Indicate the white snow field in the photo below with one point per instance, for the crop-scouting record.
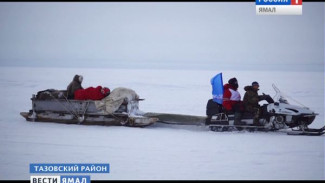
(160, 151)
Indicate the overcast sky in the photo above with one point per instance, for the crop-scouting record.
(159, 35)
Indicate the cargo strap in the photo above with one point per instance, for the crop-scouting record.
(72, 112)
(83, 114)
(75, 113)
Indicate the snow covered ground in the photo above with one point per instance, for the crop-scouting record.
(159, 151)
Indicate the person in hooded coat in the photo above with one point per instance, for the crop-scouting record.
(251, 99)
(91, 93)
(232, 100)
(74, 85)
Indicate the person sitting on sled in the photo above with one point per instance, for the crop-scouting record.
(232, 100)
(251, 99)
(74, 85)
(91, 93)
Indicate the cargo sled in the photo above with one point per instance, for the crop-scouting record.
(53, 106)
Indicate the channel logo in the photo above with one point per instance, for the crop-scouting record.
(278, 7)
(60, 179)
(65, 168)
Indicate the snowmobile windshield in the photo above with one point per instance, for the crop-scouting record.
(279, 96)
(283, 98)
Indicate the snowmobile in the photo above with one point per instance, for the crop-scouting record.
(53, 106)
(278, 114)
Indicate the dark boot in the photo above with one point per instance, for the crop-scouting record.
(237, 119)
(256, 118)
(256, 121)
(208, 120)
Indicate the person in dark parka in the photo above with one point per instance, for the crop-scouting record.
(251, 99)
(74, 85)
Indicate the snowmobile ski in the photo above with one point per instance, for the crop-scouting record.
(307, 133)
(315, 129)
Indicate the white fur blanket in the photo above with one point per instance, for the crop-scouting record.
(114, 100)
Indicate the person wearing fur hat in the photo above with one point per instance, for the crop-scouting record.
(74, 85)
(232, 100)
(251, 99)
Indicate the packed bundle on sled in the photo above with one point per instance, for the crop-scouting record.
(121, 107)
